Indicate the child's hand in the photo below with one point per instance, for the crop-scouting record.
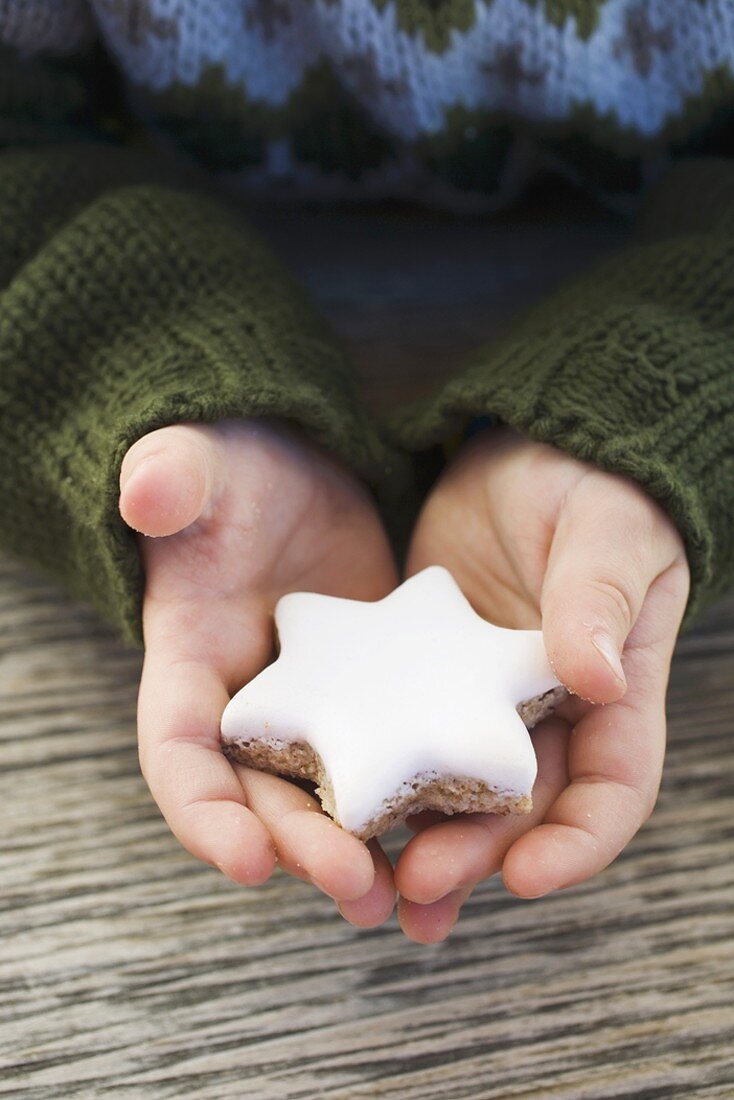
(529, 532)
(243, 513)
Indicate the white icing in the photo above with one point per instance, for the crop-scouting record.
(413, 684)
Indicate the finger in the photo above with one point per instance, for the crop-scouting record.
(186, 681)
(308, 844)
(167, 479)
(180, 705)
(615, 762)
(420, 821)
(462, 851)
(611, 542)
(378, 903)
(431, 923)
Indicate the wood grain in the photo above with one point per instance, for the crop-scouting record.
(127, 968)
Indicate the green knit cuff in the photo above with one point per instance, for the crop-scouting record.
(137, 308)
(631, 369)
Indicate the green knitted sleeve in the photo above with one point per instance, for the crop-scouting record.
(630, 367)
(129, 301)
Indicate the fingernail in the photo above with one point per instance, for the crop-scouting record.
(350, 895)
(604, 645)
(461, 886)
(459, 897)
(320, 886)
(126, 479)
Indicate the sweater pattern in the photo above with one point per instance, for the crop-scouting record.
(458, 101)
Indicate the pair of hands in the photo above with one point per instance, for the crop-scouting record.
(235, 515)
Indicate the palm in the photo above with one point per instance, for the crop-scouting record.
(283, 517)
(275, 515)
(490, 521)
(535, 538)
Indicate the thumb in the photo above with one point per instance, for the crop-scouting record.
(167, 478)
(611, 542)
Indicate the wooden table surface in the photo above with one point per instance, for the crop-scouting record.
(128, 969)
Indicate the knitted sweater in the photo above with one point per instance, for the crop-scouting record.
(134, 295)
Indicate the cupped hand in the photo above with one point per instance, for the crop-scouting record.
(536, 539)
(231, 517)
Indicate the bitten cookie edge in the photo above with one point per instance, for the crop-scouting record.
(449, 794)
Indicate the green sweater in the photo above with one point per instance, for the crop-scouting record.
(134, 296)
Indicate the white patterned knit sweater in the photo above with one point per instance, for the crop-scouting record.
(448, 96)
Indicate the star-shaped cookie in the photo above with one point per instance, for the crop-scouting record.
(409, 703)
